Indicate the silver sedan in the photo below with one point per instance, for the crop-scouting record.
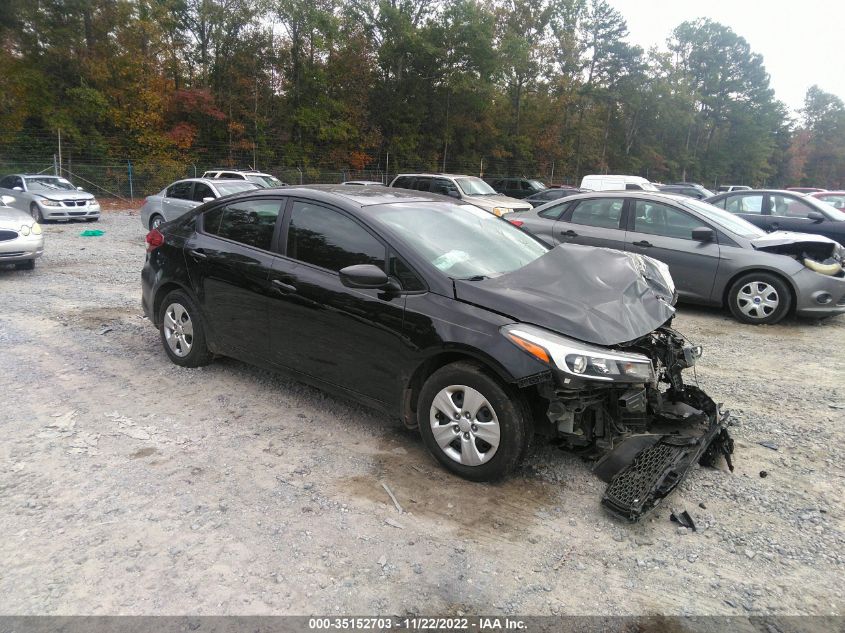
(47, 197)
(714, 257)
(183, 195)
(21, 239)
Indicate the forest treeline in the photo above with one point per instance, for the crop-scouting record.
(518, 87)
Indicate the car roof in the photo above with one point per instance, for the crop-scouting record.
(747, 191)
(209, 181)
(430, 175)
(627, 193)
(357, 196)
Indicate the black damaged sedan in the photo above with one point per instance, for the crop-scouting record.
(448, 317)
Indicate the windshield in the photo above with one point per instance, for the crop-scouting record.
(265, 181)
(725, 219)
(537, 184)
(472, 186)
(228, 188)
(48, 183)
(462, 241)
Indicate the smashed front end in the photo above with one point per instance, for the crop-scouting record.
(629, 408)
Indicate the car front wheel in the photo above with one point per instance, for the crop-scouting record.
(759, 298)
(156, 221)
(35, 212)
(182, 331)
(471, 424)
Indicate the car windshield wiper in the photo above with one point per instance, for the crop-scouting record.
(475, 278)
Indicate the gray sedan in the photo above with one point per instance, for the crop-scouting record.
(47, 197)
(183, 195)
(715, 257)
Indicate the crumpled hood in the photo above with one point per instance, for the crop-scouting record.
(488, 202)
(13, 218)
(772, 241)
(596, 295)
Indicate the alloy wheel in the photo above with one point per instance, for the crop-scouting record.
(178, 330)
(465, 425)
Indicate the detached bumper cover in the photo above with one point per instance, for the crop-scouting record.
(644, 469)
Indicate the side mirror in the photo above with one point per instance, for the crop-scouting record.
(703, 234)
(207, 199)
(364, 276)
(17, 188)
(815, 216)
(79, 189)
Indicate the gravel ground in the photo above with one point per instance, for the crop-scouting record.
(131, 486)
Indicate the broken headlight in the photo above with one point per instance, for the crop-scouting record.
(579, 359)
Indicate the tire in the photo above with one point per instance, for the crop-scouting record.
(759, 298)
(35, 212)
(182, 332)
(156, 220)
(490, 443)
(28, 264)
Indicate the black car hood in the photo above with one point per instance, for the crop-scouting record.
(595, 295)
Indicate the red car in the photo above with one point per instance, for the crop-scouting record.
(833, 198)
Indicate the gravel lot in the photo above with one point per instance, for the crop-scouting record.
(131, 486)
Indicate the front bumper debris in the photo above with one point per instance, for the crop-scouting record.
(645, 437)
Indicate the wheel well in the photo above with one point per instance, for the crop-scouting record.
(152, 215)
(784, 279)
(428, 367)
(162, 292)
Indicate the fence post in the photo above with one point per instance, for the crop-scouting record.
(55, 166)
(131, 190)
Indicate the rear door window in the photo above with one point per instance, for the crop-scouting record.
(423, 184)
(601, 212)
(404, 182)
(180, 190)
(248, 222)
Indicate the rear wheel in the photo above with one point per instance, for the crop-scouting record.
(471, 423)
(182, 331)
(759, 298)
(156, 220)
(35, 212)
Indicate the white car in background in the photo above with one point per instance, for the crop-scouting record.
(261, 179)
(183, 195)
(21, 239)
(47, 197)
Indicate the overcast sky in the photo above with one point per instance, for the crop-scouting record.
(802, 42)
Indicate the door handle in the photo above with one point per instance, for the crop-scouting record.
(283, 287)
(569, 233)
(643, 243)
(198, 253)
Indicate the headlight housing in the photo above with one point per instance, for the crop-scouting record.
(45, 202)
(500, 211)
(36, 228)
(24, 230)
(93, 203)
(580, 360)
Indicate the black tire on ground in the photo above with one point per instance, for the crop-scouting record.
(515, 424)
(751, 298)
(155, 217)
(35, 212)
(198, 353)
(28, 264)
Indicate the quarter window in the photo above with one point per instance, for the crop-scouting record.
(248, 222)
(404, 274)
(553, 213)
(659, 219)
(326, 238)
(602, 212)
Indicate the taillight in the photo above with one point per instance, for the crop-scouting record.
(154, 239)
(516, 222)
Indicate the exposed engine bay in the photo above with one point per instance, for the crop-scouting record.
(818, 253)
(645, 436)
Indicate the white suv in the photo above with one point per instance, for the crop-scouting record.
(265, 181)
